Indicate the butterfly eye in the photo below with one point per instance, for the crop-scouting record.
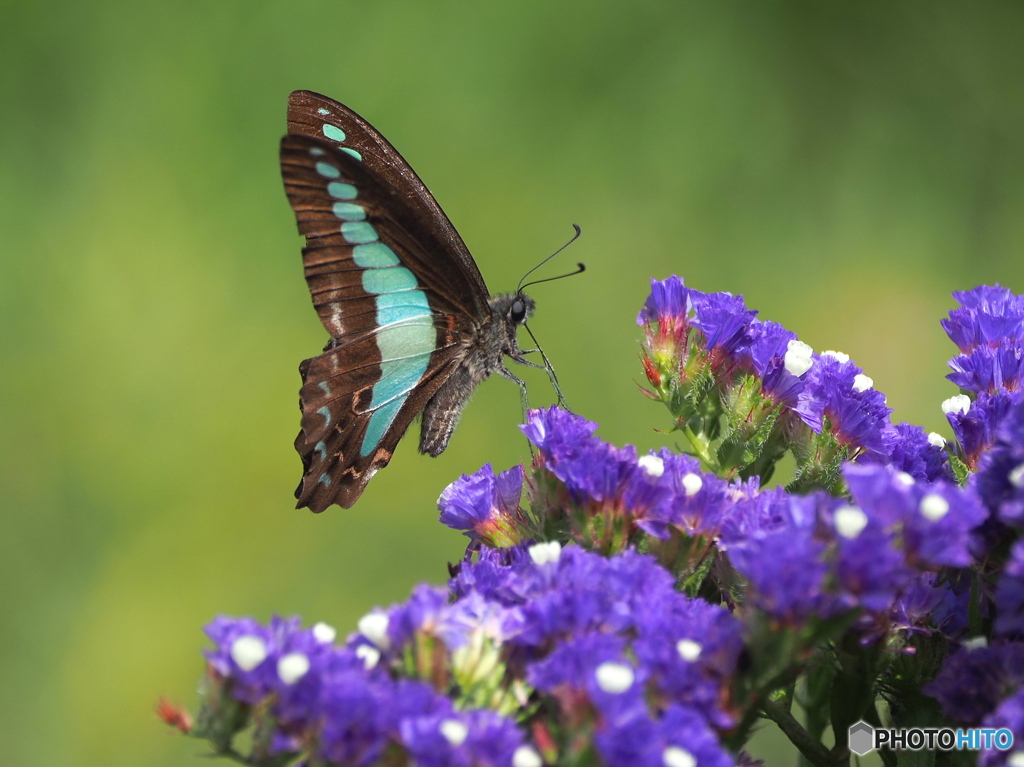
(518, 312)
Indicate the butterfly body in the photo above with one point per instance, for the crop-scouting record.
(413, 327)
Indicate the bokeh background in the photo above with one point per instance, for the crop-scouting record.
(844, 167)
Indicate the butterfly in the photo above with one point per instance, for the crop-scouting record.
(413, 327)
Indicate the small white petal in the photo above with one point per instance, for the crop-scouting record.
(961, 403)
(525, 756)
(674, 756)
(688, 650)
(369, 655)
(798, 358)
(292, 667)
(850, 521)
(862, 382)
(975, 643)
(1016, 759)
(904, 479)
(248, 652)
(374, 626)
(324, 633)
(614, 678)
(454, 731)
(544, 553)
(934, 507)
(652, 464)
(692, 483)
(1016, 476)
(838, 355)
(936, 440)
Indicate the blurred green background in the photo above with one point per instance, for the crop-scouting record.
(844, 167)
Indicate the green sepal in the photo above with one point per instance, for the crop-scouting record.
(221, 717)
(961, 472)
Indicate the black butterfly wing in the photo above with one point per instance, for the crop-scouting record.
(311, 114)
(396, 302)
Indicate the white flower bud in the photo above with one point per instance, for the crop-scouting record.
(688, 650)
(292, 667)
(961, 403)
(934, 507)
(850, 521)
(248, 652)
(652, 464)
(544, 553)
(798, 358)
(454, 731)
(374, 626)
(324, 633)
(614, 678)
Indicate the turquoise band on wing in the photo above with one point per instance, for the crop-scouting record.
(405, 333)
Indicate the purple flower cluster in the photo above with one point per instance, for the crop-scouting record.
(624, 608)
(607, 642)
(870, 553)
(1000, 479)
(976, 678)
(340, 705)
(612, 638)
(766, 383)
(988, 329)
(654, 492)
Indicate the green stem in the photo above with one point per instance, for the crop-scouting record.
(700, 447)
(812, 750)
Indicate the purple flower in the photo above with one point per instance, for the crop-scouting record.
(592, 668)
(695, 501)
(1009, 716)
(725, 322)
(600, 477)
(264, 659)
(766, 356)
(1010, 594)
(987, 315)
(670, 300)
(990, 369)
(690, 649)
(975, 424)
(856, 412)
(792, 587)
(461, 739)
(973, 681)
(559, 434)
(679, 737)
(424, 612)
(476, 616)
(1001, 474)
(935, 519)
(915, 607)
(910, 450)
(485, 506)
(586, 592)
(358, 716)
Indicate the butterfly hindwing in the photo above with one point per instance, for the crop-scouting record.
(396, 303)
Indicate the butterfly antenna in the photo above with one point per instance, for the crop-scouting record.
(550, 370)
(538, 266)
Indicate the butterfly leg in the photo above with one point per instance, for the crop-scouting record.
(523, 396)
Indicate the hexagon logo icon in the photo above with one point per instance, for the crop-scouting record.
(861, 738)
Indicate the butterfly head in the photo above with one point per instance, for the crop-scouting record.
(512, 309)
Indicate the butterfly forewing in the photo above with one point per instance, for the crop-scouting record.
(311, 114)
(396, 303)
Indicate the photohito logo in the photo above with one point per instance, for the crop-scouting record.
(864, 739)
